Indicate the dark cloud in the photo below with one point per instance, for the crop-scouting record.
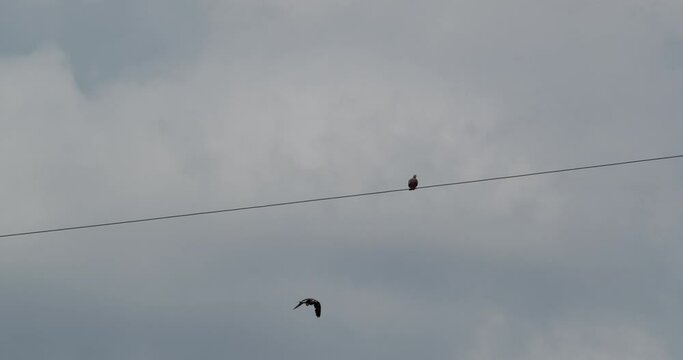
(223, 104)
(105, 40)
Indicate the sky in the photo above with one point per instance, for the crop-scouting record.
(114, 110)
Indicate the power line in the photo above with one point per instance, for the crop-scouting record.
(166, 217)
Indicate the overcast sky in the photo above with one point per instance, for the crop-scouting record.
(118, 109)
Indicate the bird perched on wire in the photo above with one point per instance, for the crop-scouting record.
(311, 301)
(412, 183)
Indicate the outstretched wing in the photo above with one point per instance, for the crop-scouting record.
(318, 308)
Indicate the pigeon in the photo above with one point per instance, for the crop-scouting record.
(412, 183)
(313, 302)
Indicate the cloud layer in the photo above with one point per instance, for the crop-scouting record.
(116, 110)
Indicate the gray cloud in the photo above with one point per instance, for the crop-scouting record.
(222, 104)
(105, 40)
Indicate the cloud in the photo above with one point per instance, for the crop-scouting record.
(107, 40)
(574, 339)
(281, 100)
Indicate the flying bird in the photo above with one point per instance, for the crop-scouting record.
(412, 183)
(313, 302)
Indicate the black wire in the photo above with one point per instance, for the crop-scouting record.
(338, 197)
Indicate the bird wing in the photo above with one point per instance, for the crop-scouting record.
(412, 183)
(318, 308)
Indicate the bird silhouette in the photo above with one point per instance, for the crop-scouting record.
(412, 183)
(311, 301)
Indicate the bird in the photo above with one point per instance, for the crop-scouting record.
(311, 301)
(412, 183)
